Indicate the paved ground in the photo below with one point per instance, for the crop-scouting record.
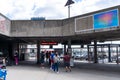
(29, 72)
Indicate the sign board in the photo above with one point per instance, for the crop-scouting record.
(4, 25)
(49, 43)
(106, 19)
(84, 23)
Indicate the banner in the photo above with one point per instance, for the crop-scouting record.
(106, 19)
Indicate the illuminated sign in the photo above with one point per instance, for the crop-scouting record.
(106, 19)
(49, 43)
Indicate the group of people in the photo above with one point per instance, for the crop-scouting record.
(53, 59)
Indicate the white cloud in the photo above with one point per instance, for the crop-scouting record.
(86, 6)
(51, 9)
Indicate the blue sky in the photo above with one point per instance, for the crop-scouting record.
(50, 9)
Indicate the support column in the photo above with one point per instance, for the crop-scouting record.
(64, 48)
(69, 43)
(18, 47)
(10, 54)
(109, 54)
(95, 52)
(69, 50)
(51, 46)
(38, 52)
(88, 52)
(117, 54)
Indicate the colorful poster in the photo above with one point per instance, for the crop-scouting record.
(4, 25)
(106, 19)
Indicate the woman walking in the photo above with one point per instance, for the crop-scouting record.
(16, 57)
(56, 63)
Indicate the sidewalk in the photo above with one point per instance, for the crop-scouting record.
(29, 73)
(33, 72)
(99, 66)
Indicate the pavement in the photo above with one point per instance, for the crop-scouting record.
(80, 72)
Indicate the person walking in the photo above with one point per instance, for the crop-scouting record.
(42, 59)
(56, 63)
(67, 62)
(16, 57)
(52, 60)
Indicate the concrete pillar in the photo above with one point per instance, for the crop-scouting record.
(38, 52)
(95, 52)
(117, 54)
(10, 53)
(88, 52)
(109, 54)
(17, 45)
(69, 43)
(17, 48)
(64, 48)
(69, 50)
(50, 46)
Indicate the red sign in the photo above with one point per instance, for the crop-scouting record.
(49, 43)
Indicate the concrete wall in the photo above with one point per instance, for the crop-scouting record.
(4, 25)
(68, 27)
(23, 28)
(50, 28)
(82, 24)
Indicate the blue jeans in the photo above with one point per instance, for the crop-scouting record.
(56, 66)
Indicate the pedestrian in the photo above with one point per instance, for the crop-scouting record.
(42, 59)
(56, 63)
(4, 61)
(52, 60)
(67, 62)
(16, 57)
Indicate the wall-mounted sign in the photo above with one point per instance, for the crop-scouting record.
(4, 25)
(106, 19)
(49, 43)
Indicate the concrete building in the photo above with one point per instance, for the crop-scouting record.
(80, 30)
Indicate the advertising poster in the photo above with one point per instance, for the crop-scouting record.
(106, 19)
(4, 25)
